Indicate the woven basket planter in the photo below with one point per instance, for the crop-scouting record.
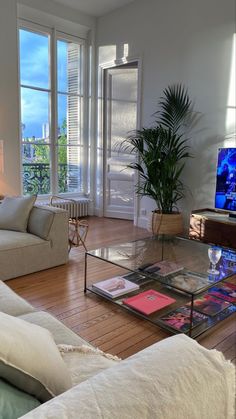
(159, 223)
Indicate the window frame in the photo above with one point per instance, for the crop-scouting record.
(54, 36)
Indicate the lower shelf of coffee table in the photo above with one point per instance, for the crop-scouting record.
(154, 318)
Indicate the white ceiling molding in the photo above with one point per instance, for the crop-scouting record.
(55, 11)
(94, 8)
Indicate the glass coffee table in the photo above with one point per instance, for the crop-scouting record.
(196, 300)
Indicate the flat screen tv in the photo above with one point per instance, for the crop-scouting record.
(225, 197)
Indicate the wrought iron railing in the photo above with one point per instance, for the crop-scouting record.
(36, 178)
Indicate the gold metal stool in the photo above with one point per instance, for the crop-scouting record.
(78, 228)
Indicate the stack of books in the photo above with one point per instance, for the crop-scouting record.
(218, 298)
(116, 286)
(211, 304)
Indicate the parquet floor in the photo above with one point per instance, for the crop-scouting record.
(60, 292)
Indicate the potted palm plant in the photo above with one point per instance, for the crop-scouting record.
(161, 154)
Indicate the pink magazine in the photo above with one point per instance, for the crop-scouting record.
(148, 302)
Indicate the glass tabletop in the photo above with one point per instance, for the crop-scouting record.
(186, 260)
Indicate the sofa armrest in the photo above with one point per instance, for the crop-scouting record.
(42, 221)
(173, 379)
(51, 224)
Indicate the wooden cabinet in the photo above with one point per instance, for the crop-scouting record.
(213, 226)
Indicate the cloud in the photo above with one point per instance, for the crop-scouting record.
(34, 59)
(35, 67)
(34, 71)
(34, 111)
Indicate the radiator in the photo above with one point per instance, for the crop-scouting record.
(76, 208)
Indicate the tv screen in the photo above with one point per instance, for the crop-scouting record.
(225, 197)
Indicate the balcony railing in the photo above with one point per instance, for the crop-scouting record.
(36, 178)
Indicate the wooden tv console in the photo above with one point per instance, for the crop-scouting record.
(213, 226)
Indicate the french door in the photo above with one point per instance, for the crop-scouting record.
(120, 118)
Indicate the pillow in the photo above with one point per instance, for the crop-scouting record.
(15, 403)
(30, 360)
(40, 222)
(14, 212)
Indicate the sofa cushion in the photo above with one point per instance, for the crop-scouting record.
(14, 212)
(60, 332)
(27, 253)
(30, 360)
(14, 402)
(11, 303)
(10, 240)
(40, 221)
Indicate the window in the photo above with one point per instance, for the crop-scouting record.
(51, 79)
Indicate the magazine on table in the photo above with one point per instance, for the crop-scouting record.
(226, 291)
(189, 281)
(209, 305)
(227, 263)
(137, 278)
(179, 319)
(162, 268)
(149, 301)
(116, 286)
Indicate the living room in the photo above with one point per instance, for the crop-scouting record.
(152, 44)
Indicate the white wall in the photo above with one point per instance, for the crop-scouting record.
(184, 41)
(9, 180)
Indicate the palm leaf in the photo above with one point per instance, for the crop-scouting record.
(162, 150)
(175, 107)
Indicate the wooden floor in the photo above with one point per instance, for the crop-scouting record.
(60, 292)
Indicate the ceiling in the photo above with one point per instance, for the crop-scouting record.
(94, 7)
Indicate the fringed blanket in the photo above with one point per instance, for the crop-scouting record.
(84, 361)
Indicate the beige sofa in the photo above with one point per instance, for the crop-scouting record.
(44, 245)
(173, 379)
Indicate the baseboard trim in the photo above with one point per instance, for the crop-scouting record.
(97, 212)
(141, 222)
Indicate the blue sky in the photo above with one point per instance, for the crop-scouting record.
(35, 72)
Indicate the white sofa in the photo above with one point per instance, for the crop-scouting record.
(44, 245)
(173, 379)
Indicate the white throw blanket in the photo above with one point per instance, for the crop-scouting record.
(84, 361)
(173, 379)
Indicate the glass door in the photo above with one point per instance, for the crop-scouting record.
(120, 117)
